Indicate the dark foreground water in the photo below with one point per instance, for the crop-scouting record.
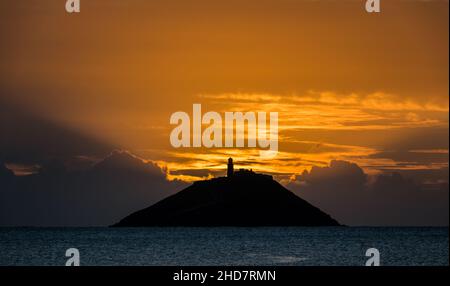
(224, 246)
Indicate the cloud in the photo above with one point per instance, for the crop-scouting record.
(5, 172)
(53, 175)
(355, 198)
(27, 139)
(378, 131)
(97, 196)
(330, 110)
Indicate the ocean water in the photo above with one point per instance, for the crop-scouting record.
(289, 246)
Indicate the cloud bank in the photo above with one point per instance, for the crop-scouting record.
(354, 198)
(96, 196)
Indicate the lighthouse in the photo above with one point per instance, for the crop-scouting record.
(230, 168)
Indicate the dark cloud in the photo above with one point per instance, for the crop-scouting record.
(97, 196)
(402, 139)
(197, 172)
(28, 139)
(354, 198)
(411, 157)
(5, 172)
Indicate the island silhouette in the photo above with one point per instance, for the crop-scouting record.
(243, 198)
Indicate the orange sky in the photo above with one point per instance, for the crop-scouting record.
(367, 88)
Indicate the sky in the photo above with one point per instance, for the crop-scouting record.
(364, 89)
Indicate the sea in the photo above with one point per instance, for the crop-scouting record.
(225, 246)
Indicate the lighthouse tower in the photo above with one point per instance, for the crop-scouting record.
(230, 168)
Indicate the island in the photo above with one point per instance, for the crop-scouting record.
(242, 198)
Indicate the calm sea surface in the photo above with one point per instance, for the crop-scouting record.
(224, 246)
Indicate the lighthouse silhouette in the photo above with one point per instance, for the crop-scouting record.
(230, 169)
